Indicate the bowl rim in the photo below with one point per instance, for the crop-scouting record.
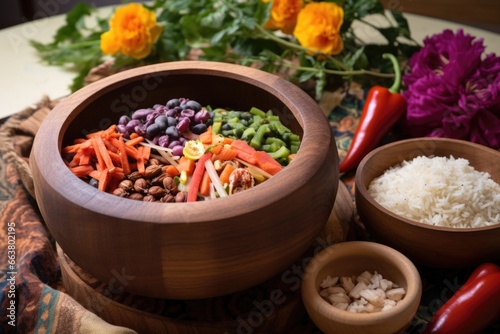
(363, 190)
(290, 96)
(403, 263)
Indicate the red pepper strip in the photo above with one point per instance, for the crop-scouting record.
(473, 307)
(194, 184)
(382, 109)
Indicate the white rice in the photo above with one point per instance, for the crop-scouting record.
(439, 191)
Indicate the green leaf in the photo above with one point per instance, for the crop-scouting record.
(70, 31)
(351, 60)
(404, 28)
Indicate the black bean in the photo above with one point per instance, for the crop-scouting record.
(199, 128)
(194, 105)
(153, 130)
(172, 132)
(171, 121)
(162, 122)
(173, 103)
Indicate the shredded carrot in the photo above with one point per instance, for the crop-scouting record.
(86, 156)
(206, 137)
(104, 156)
(82, 171)
(100, 161)
(101, 147)
(79, 141)
(226, 153)
(245, 151)
(123, 155)
(135, 141)
(146, 152)
(104, 179)
(226, 172)
(267, 163)
(141, 167)
(133, 135)
(110, 131)
(216, 149)
(171, 170)
(95, 174)
(227, 140)
(186, 165)
(205, 184)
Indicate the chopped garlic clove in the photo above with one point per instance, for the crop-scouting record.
(329, 281)
(355, 291)
(395, 294)
(347, 283)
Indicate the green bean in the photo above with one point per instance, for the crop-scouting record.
(257, 112)
(248, 134)
(256, 141)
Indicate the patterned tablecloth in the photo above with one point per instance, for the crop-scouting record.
(33, 299)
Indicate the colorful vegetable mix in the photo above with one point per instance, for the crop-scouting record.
(197, 154)
(383, 107)
(473, 307)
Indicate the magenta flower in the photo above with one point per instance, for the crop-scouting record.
(452, 91)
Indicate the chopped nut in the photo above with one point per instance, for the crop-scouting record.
(149, 198)
(372, 293)
(156, 191)
(168, 199)
(395, 294)
(180, 197)
(347, 283)
(170, 185)
(339, 297)
(120, 192)
(134, 176)
(372, 297)
(141, 186)
(136, 196)
(329, 281)
(354, 293)
(152, 171)
(126, 185)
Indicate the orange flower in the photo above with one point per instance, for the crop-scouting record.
(133, 31)
(318, 27)
(284, 15)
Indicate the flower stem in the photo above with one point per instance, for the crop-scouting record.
(344, 73)
(268, 35)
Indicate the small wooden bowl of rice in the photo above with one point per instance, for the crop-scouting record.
(436, 200)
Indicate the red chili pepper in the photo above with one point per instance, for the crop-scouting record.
(474, 307)
(382, 109)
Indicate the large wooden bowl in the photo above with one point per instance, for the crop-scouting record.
(434, 246)
(353, 258)
(187, 250)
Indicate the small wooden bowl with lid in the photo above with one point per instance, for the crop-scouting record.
(187, 250)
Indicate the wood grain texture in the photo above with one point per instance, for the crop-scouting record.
(215, 315)
(188, 250)
(443, 247)
(353, 258)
